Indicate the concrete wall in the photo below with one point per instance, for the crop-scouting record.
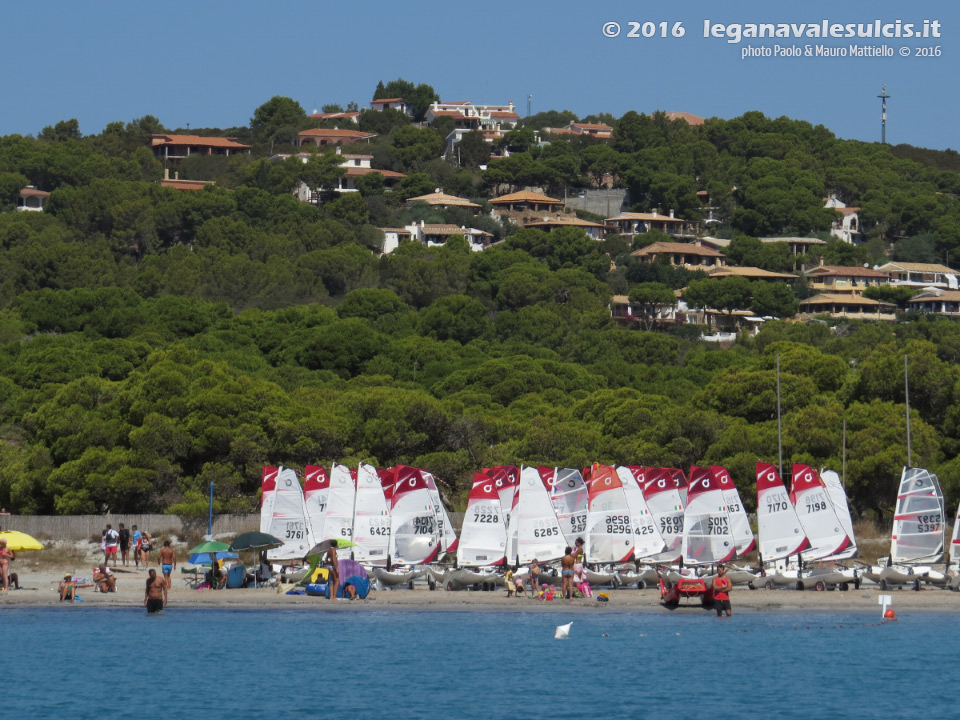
(605, 203)
(88, 527)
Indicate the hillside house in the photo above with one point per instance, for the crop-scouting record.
(32, 200)
(840, 279)
(526, 201)
(937, 301)
(443, 200)
(390, 104)
(594, 130)
(174, 148)
(332, 136)
(847, 224)
(921, 275)
(632, 223)
(548, 224)
(692, 256)
(340, 117)
(849, 306)
(434, 235)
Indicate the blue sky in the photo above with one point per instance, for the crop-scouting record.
(211, 63)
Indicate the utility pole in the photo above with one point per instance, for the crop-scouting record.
(883, 113)
(529, 103)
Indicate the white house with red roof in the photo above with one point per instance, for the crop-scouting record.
(847, 225)
(390, 104)
(493, 121)
(352, 116)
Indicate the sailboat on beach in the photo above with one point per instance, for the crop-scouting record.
(283, 513)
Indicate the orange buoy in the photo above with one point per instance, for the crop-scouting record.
(889, 614)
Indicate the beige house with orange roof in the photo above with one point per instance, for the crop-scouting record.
(526, 201)
(548, 224)
(937, 301)
(332, 136)
(595, 130)
(688, 118)
(852, 307)
(693, 256)
(174, 148)
(350, 116)
(389, 104)
(32, 200)
(750, 273)
(921, 275)
(633, 223)
(840, 279)
(442, 199)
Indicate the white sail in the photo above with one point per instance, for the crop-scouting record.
(781, 534)
(609, 527)
(739, 522)
(316, 487)
(445, 531)
(647, 540)
(838, 496)
(268, 496)
(662, 494)
(707, 537)
(955, 540)
(815, 511)
(483, 536)
(918, 522)
(569, 496)
(338, 524)
(371, 518)
(286, 518)
(539, 536)
(413, 519)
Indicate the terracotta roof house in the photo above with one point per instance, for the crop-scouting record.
(468, 116)
(548, 224)
(331, 136)
(625, 312)
(352, 116)
(854, 307)
(32, 200)
(921, 275)
(689, 255)
(524, 201)
(442, 199)
(631, 223)
(750, 273)
(390, 104)
(434, 235)
(687, 117)
(596, 130)
(839, 279)
(937, 301)
(798, 245)
(175, 148)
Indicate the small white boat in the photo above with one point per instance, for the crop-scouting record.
(466, 579)
(395, 578)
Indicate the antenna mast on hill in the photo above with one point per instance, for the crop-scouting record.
(883, 113)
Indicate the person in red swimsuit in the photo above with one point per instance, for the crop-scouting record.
(721, 591)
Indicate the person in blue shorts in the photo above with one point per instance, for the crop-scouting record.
(168, 561)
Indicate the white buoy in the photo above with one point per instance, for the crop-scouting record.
(884, 601)
(562, 631)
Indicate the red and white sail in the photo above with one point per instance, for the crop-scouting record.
(778, 526)
(680, 481)
(955, 540)
(662, 493)
(284, 516)
(371, 518)
(483, 536)
(838, 496)
(316, 486)
(341, 495)
(739, 522)
(647, 540)
(707, 537)
(268, 489)
(569, 496)
(919, 520)
(816, 514)
(609, 527)
(539, 536)
(445, 531)
(413, 519)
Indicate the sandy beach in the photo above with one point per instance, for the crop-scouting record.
(39, 590)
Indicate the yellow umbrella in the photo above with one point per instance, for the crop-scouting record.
(18, 541)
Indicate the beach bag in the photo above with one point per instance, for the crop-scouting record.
(585, 590)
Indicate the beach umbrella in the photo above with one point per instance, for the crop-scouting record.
(18, 541)
(209, 546)
(322, 547)
(203, 558)
(254, 541)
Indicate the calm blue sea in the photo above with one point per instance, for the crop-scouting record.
(104, 663)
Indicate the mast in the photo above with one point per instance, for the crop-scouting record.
(906, 384)
(779, 422)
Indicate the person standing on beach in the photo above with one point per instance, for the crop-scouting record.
(6, 555)
(578, 552)
(146, 545)
(123, 535)
(534, 578)
(135, 541)
(110, 539)
(721, 591)
(155, 598)
(566, 573)
(168, 561)
(334, 565)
